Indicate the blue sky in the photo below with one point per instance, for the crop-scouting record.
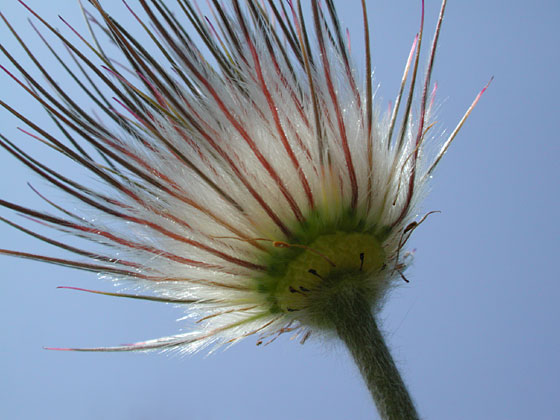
(475, 332)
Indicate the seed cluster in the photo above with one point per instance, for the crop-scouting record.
(331, 261)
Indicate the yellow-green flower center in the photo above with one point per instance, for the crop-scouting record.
(303, 276)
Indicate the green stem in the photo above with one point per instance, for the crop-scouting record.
(355, 324)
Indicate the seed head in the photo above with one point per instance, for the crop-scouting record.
(248, 176)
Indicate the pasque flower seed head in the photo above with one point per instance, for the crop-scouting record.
(248, 175)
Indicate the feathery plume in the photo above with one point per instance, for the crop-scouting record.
(247, 175)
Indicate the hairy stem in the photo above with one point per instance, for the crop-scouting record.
(356, 326)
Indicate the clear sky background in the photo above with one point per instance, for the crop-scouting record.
(475, 332)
